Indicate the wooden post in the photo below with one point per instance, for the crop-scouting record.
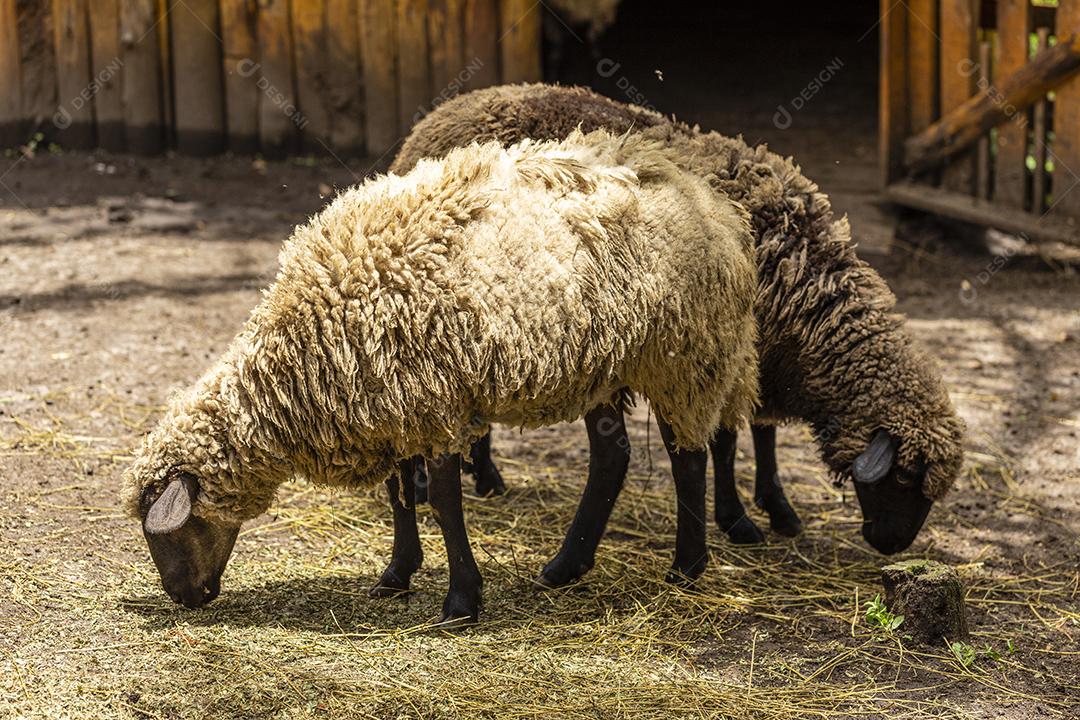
(11, 118)
(519, 40)
(344, 78)
(240, 68)
(1066, 147)
(197, 84)
(445, 27)
(414, 76)
(1010, 170)
(378, 49)
(982, 151)
(279, 119)
(1038, 123)
(959, 26)
(142, 79)
(309, 34)
(74, 116)
(481, 43)
(923, 69)
(892, 91)
(168, 107)
(106, 67)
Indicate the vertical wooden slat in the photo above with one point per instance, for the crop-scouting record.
(481, 43)
(892, 91)
(164, 46)
(959, 34)
(378, 50)
(1010, 168)
(414, 76)
(445, 27)
(982, 148)
(519, 40)
(197, 84)
(142, 79)
(106, 66)
(344, 77)
(1038, 127)
(1066, 147)
(278, 119)
(309, 35)
(240, 70)
(74, 118)
(38, 64)
(922, 63)
(11, 118)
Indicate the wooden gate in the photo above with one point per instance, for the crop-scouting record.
(276, 76)
(980, 112)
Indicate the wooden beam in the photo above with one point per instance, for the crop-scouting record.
(959, 34)
(445, 26)
(74, 117)
(1039, 179)
(278, 117)
(106, 67)
(983, 212)
(378, 49)
(414, 73)
(481, 43)
(197, 83)
(344, 78)
(1010, 169)
(240, 51)
(892, 90)
(519, 40)
(11, 117)
(309, 36)
(1001, 102)
(1065, 150)
(922, 63)
(142, 78)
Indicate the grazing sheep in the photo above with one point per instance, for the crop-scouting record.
(524, 285)
(832, 352)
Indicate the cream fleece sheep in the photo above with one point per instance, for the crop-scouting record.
(833, 352)
(522, 286)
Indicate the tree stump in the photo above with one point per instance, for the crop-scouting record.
(930, 596)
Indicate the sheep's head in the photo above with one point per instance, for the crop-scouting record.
(190, 552)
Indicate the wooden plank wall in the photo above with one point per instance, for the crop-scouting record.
(935, 54)
(345, 77)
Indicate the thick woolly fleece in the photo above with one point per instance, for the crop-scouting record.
(522, 286)
(832, 352)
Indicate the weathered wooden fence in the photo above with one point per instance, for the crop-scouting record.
(980, 111)
(276, 76)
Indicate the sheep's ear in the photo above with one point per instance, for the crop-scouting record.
(170, 511)
(876, 460)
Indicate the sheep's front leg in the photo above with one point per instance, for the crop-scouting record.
(688, 468)
(407, 555)
(730, 514)
(609, 458)
(462, 603)
(488, 478)
(768, 493)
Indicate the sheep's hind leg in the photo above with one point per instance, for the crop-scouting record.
(730, 515)
(462, 604)
(768, 493)
(688, 469)
(407, 555)
(488, 478)
(609, 458)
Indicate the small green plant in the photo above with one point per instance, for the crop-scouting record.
(1010, 649)
(878, 615)
(964, 654)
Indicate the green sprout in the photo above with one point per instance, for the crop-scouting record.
(878, 615)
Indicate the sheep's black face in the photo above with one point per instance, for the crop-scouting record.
(892, 500)
(190, 553)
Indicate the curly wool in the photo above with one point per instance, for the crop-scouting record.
(832, 352)
(522, 286)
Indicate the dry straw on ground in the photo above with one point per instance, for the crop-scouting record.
(770, 632)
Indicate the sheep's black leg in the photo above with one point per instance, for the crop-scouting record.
(488, 479)
(609, 458)
(407, 555)
(462, 603)
(420, 479)
(730, 515)
(688, 468)
(768, 493)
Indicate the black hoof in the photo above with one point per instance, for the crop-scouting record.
(783, 520)
(392, 583)
(561, 571)
(742, 531)
(684, 576)
(460, 610)
(489, 481)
